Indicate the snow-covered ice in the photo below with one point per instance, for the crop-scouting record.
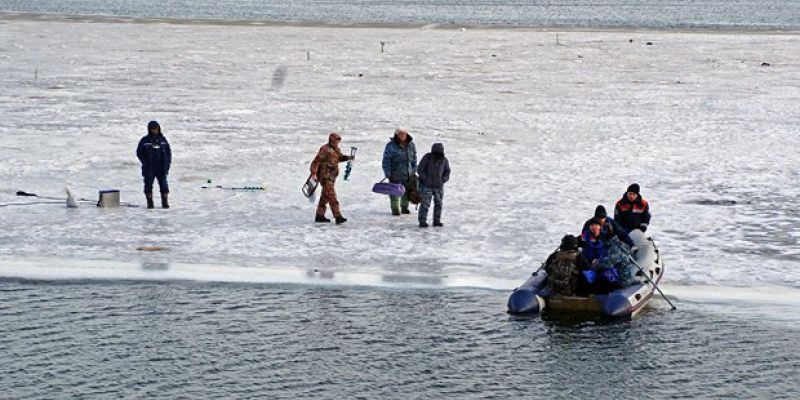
(539, 127)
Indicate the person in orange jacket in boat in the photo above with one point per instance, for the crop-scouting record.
(632, 211)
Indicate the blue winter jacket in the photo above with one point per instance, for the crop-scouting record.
(610, 229)
(593, 250)
(155, 155)
(399, 162)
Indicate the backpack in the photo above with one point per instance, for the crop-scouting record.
(563, 273)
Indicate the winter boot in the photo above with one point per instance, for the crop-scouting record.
(321, 218)
(404, 205)
(423, 224)
(340, 220)
(149, 197)
(438, 224)
(164, 202)
(394, 202)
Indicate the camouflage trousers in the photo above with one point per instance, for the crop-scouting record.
(328, 197)
(618, 259)
(428, 194)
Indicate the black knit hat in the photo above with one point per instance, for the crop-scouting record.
(569, 242)
(634, 187)
(593, 221)
(600, 212)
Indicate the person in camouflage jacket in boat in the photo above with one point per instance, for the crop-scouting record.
(325, 169)
(564, 268)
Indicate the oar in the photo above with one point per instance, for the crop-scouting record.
(652, 281)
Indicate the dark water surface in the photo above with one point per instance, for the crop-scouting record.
(199, 340)
(728, 14)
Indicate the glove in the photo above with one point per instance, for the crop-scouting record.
(643, 227)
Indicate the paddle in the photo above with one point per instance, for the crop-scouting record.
(652, 281)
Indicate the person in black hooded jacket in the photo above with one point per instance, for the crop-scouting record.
(434, 172)
(156, 157)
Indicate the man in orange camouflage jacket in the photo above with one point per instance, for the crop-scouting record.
(325, 169)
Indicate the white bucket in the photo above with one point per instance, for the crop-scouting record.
(108, 198)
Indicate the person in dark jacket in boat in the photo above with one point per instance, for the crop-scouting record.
(632, 211)
(609, 227)
(594, 247)
(155, 155)
(434, 172)
(325, 169)
(564, 268)
(399, 166)
(609, 259)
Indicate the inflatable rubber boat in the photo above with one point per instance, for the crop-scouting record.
(532, 297)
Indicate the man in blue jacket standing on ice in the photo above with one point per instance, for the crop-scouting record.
(155, 155)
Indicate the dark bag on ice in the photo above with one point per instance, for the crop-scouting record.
(412, 190)
(387, 188)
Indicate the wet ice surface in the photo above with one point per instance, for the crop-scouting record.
(539, 127)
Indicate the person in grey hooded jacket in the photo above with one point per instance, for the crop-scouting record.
(434, 172)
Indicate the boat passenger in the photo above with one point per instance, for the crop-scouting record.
(564, 268)
(608, 227)
(608, 259)
(594, 247)
(632, 211)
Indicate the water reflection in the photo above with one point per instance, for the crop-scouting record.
(413, 279)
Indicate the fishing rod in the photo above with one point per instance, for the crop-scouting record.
(33, 203)
(252, 188)
(26, 194)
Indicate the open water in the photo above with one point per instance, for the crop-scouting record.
(199, 340)
(730, 14)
